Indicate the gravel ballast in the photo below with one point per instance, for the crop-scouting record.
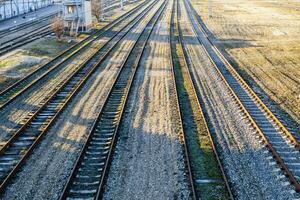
(47, 169)
(250, 167)
(12, 115)
(148, 162)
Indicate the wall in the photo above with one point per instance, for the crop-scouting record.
(13, 8)
(87, 14)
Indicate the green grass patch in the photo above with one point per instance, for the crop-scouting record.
(7, 62)
(47, 47)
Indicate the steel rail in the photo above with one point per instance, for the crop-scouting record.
(14, 153)
(25, 40)
(90, 59)
(184, 57)
(33, 31)
(236, 75)
(181, 134)
(243, 103)
(20, 27)
(118, 93)
(19, 87)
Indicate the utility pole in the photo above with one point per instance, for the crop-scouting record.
(102, 14)
(209, 9)
(4, 10)
(24, 7)
(122, 5)
(11, 9)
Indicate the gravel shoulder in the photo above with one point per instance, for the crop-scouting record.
(148, 162)
(47, 170)
(250, 168)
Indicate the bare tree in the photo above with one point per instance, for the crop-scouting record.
(96, 10)
(57, 26)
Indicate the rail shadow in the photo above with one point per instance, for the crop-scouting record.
(7, 123)
(229, 43)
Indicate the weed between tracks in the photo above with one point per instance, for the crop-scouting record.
(203, 162)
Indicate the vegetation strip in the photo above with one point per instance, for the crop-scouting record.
(208, 177)
(177, 111)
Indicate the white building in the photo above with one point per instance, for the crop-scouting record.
(77, 15)
(11, 8)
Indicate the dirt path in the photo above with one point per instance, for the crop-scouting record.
(251, 172)
(148, 163)
(47, 170)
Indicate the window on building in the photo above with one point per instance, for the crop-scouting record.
(71, 9)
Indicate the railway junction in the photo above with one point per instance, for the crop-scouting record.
(150, 99)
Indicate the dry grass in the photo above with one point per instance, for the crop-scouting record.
(262, 38)
(20, 62)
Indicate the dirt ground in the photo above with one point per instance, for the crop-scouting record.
(20, 62)
(262, 39)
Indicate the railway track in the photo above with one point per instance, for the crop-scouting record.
(277, 139)
(24, 34)
(58, 63)
(87, 178)
(115, 5)
(25, 39)
(6, 32)
(15, 151)
(182, 79)
(177, 112)
(41, 30)
(27, 30)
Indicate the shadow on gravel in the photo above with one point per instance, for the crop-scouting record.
(229, 43)
(147, 164)
(7, 124)
(77, 120)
